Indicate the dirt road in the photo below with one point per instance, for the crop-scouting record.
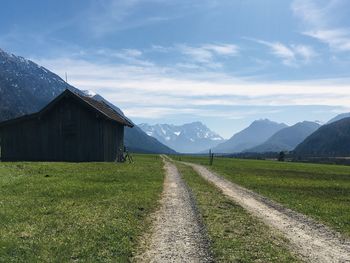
(177, 234)
(312, 241)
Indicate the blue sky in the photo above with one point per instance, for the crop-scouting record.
(225, 63)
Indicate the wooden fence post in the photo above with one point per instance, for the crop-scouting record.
(211, 157)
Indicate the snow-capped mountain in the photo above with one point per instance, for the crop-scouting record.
(188, 138)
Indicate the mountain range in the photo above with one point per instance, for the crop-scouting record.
(256, 133)
(26, 87)
(287, 139)
(187, 138)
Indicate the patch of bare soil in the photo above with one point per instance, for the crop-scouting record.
(177, 234)
(312, 241)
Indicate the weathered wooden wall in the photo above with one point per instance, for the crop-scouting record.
(70, 131)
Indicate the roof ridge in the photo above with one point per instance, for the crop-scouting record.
(118, 116)
(100, 106)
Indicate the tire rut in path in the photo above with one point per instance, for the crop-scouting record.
(177, 233)
(312, 241)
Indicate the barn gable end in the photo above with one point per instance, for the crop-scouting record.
(71, 128)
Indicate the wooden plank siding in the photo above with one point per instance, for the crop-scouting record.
(69, 131)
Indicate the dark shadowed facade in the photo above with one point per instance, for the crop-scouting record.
(71, 128)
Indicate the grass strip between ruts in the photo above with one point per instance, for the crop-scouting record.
(235, 235)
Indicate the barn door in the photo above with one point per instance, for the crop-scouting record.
(70, 135)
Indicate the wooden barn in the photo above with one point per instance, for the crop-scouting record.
(72, 128)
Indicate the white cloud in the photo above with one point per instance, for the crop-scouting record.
(283, 52)
(338, 39)
(163, 112)
(320, 22)
(199, 54)
(144, 91)
(162, 49)
(222, 49)
(206, 54)
(132, 52)
(199, 57)
(307, 53)
(311, 12)
(291, 55)
(130, 56)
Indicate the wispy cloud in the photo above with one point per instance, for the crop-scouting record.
(207, 52)
(312, 13)
(208, 55)
(282, 51)
(164, 112)
(338, 39)
(291, 55)
(319, 22)
(130, 56)
(138, 86)
(108, 16)
(222, 49)
(307, 53)
(199, 54)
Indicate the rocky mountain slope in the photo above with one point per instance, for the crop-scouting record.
(25, 87)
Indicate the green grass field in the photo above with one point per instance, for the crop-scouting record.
(319, 191)
(235, 235)
(87, 212)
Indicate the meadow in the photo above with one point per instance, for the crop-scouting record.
(89, 212)
(319, 191)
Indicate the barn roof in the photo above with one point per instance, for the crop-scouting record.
(107, 110)
(98, 106)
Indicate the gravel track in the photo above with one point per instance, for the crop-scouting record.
(312, 241)
(177, 234)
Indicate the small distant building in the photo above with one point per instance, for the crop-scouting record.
(72, 128)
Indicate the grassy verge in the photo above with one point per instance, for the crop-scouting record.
(86, 212)
(319, 191)
(236, 236)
